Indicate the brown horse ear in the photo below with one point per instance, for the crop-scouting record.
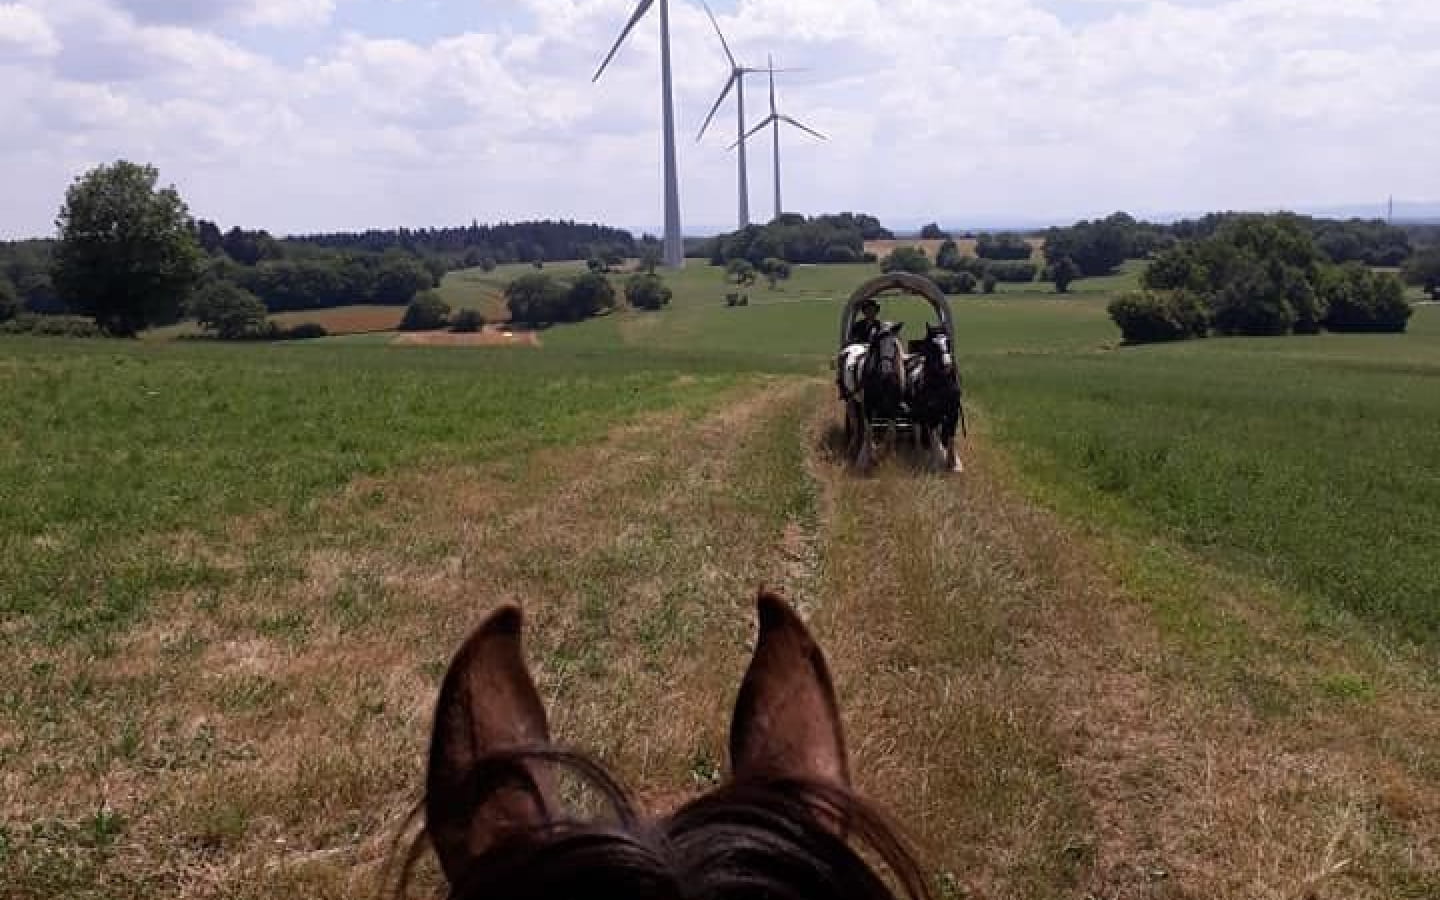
(787, 723)
(488, 703)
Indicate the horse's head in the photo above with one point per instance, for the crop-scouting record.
(936, 350)
(781, 826)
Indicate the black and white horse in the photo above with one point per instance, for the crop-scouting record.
(933, 397)
(874, 383)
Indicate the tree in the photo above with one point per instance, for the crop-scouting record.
(776, 271)
(208, 236)
(907, 259)
(650, 257)
(537, 299)
(740, 271)
(427, 312)
(1358, 299)
(933, 232)
(948, 256)
(467, 321)
(989, 283)
(228, 310)
(1064, 272)
(589, 295)
(126, 255)
(9, 300)
(399, 279)
(1423, 269)
(647, 292)
(1003, 246)
(1149, 316)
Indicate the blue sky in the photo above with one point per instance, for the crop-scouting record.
(301, 115)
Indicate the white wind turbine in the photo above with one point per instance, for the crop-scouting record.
(674, 241)
(775, 119)
(736, 83)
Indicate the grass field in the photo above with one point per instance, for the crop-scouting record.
(1173, 635)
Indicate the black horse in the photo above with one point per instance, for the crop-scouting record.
(933, 396)
(873, 380)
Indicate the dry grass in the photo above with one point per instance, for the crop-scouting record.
(1022, 704)
(883, 249)
(346, 319)
(489, 336)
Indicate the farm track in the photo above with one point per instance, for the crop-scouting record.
(1008, 691)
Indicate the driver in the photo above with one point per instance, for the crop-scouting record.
(863, 329)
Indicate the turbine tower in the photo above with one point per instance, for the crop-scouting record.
(737, 83)
(674, 241)
(775, 119)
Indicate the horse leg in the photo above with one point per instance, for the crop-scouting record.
(952, 458)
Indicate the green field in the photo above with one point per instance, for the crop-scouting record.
(230, 576)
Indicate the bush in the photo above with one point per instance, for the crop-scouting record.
(52, 326)
(956, 282)
(907, 259)
(228, 310)
(1003, 246)
(948, 256)
(9, 300)
(869, 258)
(1063, 273)
(590, 295)
(1423, 270)
(841, 254)
(1011, 272)
(933, 232)
(647, 292)
(1357, 299)
(537, 299)
(775, 271)
(989, 283)
(1149, 316)
(467, 321)
(427, 312)
(305, 331)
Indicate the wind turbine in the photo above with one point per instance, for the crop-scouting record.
(775, 119)
(674, 242)
(736, 82)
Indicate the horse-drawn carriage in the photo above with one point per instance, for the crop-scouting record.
(894, 388)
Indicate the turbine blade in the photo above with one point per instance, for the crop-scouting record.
(640, 12)
(716, 108)
(720, 34)
(803, 127)
(751, 133)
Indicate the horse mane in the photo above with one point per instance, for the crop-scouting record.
(748, 839)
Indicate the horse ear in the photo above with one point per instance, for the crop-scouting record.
(488, 704)
(787, 722)
(896, 328)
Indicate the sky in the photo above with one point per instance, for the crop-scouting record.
(309, 115)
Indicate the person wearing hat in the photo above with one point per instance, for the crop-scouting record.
(864, 328)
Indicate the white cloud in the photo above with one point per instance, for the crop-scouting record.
(934, 108)
(24, 33)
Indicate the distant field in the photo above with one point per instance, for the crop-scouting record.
(346, 319)
(932, 248)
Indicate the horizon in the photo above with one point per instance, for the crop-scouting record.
(345, 115)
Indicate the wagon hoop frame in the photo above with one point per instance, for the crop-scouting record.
(898, 281)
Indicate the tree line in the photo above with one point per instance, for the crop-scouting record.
(795, 238)
(1258, 275)
(129, 256)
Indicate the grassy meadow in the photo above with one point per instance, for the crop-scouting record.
(1174, 633)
